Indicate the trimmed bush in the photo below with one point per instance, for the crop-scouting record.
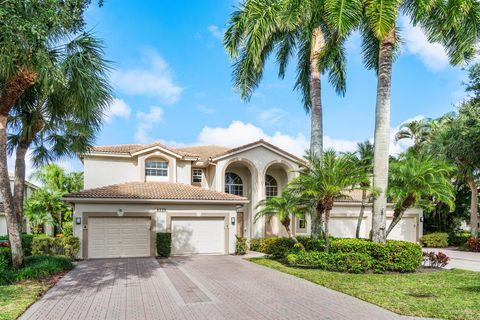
(276, 247)
(435, 240)
(164, 244)
(473, 244)
(5, 258)
(241, 245)
(67, 228)
(459, 238)
(26, 242)
(45, 245)
(340, 262)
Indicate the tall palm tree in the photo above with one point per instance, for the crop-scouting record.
(323, 181)
(455, 24)
(29, 32)
(416, 179)
(313, 30)
(284, 208)
(416, 130)
(364, 155)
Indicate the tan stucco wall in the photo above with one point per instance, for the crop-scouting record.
(184, 172)
(106, 171)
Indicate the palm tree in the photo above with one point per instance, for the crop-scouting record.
(284, 208)
(314, 30)
(364, 155)
(323, 181)
(416, 179)
(454, 24)
(30, 31)
(416, 130)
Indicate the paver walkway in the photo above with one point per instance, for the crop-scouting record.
(200, 287)
(460, 259)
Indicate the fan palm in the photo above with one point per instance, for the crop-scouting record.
(313, 30)
(416, 179)
(323, 181)
(454, 24)
(29, 32)
(284, 208)
(364, 155)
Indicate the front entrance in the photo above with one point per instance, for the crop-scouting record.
(198, 235)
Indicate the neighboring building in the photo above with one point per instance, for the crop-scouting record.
(203, 195)
(29, 188)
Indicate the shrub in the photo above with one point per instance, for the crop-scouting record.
(458, 238)
(474, 244)
(241, 245)
(41, 245)
(71, 246)
(164, 244)
(276, 247)
(341, 262)
(5, 258)
(435, 260)
(26, 242)
(45, 245)
(435, 240)
(67, 228)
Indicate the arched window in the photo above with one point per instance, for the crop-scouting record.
(271, 186)
(233, 184)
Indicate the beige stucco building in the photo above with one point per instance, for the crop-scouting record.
(203, 195)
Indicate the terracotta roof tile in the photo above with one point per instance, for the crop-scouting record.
(205, 152)
(154, 191)
(132, 148)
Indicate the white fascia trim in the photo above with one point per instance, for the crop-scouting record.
(182, 201)
(107, 154)
(190, 158)
(176, 155)
(255, 146)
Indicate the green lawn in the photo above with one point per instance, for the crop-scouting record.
(449, 294)
(15, 298)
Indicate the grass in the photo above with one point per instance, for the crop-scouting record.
(449, 294)
(20, 288)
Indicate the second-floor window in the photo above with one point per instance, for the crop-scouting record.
(156, 168)
(233, 184)
(197, 175)
(271, 186)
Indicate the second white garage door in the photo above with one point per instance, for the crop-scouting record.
(198, 235)
(406, 229)
(118, 237)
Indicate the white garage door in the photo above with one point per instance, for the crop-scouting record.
(118, 237)
(346, 227)
(405, 230)
(198, 235)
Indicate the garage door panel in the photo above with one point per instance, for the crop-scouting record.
(346, 227)
(406, 230)
(196, 235)
(118, 237)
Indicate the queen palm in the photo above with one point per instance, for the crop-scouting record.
(30, 31)
(417, 178)
(313, 30)
(416, 130)
(323, 181)
(364, 155)
(454, 24)
(283, 207)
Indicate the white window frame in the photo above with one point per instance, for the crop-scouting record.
(197, 175)
(234, 188)
(159, 169)
(271, 190)
(300, 222)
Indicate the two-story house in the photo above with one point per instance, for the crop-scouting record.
(203, 195)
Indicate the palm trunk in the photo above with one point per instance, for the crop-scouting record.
(473, 207)
(316, 139)
(382, 137)
(397, 216)
(317, 223)
(19, 183)
(13, 225)
(326, 234)
(362, 212)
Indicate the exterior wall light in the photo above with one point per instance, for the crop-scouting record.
(120, 212)
(232, 220)
(78, 220)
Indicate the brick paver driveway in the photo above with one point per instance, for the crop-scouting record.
(200, 287)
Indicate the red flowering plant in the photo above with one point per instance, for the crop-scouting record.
(474, 244)
(435, 260)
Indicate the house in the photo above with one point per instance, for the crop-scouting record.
(203, 195)
(29, 188)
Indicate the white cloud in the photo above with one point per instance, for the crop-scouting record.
(205, 109)
(432, 55)
(155, 79)
(146, 122)
(118, 108)
(270, 116)
(216, 32)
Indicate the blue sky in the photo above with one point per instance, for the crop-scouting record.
(172, 82)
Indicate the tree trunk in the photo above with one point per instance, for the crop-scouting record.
(382, 137)
(316, 139)
(15, 87)
(19, 183)
(326, 233)
(13, 225)
(286, 225)
(397, 216)
(473, 207)
(362, 211)
(317, 223)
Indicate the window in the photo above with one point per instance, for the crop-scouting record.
(197, 175)
(302, 223)
(233, 184)
(271, 187)
(156, 168)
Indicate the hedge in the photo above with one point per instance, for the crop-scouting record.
(459, 238)
(5, 258)
(26, 242)
(164, 244)
(276, 247)
(45, 245)
(342, 262)
(435, 240)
